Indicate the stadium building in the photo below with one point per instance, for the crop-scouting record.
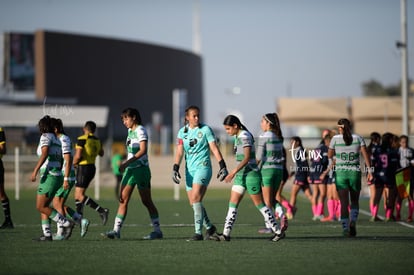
(79, 78)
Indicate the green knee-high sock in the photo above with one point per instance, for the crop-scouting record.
(198, 217)
(206, 221)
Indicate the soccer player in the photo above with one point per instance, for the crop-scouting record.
(333, 203)
(279, 193)
(246, 176)
(3, 196)
(136, 173)
(347, 147)
(299, 157)
(391, 149)
(49, 165)
(69, 180)
(406, 160)
(317, 179)
(270, 159)
(88, 147)
(196, 141)
(376, 186)
(116, 162)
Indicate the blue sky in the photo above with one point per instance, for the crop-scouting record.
(269, 49)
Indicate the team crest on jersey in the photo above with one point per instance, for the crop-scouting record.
(199, 134)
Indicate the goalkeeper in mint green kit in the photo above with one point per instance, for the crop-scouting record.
(195, 141)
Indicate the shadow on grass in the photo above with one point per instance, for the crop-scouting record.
(332, 238)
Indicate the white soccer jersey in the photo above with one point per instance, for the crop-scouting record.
(66, 149)
(347, 156)
(54, 158)
(270, 151)
(133, 145)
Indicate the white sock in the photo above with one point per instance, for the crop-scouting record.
(59, 219)
(279, 211)
(230, 220)
(270, 219)
(118, 224)
(46, 229)
(59, 230)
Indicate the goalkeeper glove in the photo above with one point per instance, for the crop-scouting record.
(222, 174)
(176, 177)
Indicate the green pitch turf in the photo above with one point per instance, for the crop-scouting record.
(310, 247)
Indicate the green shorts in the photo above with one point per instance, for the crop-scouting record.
(139, 176)
(49, 185)
(64, 193)
(251, 181)
(348, 179)
(272, 178)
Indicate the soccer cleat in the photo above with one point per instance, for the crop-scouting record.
(112, 234)
(43, 238)
(327, 219)
(67, 232)
(352, 229)
(278, 237)
(84, 227)
(389, 219)
(375, 219)
(104, 215)
(56, 237)
(317, 217)
(8, 224)
(294, 210)
(284, 223)
(265, 230)
(196, 237)
(210, 232)
(291, 212)
(154, 235)
(220, 238)
(409, 219)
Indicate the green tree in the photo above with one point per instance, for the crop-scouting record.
(375, 88)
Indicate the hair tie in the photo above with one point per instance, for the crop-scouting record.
(267, 119)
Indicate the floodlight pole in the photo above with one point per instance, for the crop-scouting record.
(404, 68)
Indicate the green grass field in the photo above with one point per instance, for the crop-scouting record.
(310, 247)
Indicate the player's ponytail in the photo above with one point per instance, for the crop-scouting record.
(274, 122)
(345, 124)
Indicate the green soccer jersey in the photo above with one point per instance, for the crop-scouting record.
(245, 139)
(133, 146)
(67, 149)
(196, 145)
(347, 156)
(54, 158)
(270, 151)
